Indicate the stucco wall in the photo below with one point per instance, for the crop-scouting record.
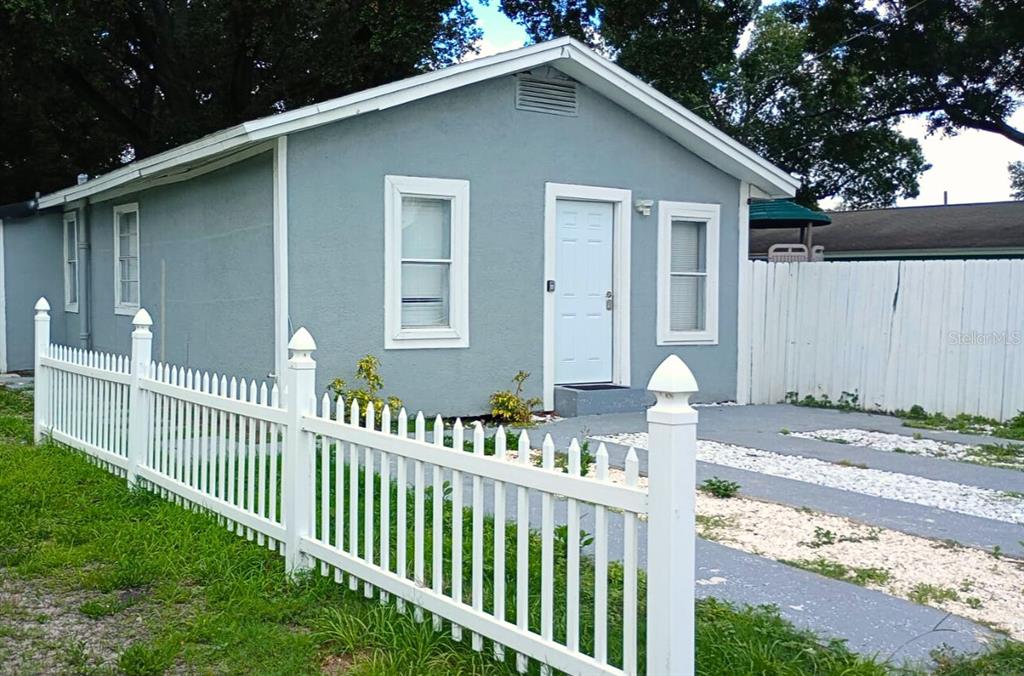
(206, 264)
(32, 268)
(336, 234)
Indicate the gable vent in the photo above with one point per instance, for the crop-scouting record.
(555, 97)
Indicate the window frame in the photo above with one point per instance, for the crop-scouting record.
(710, 215)
(71, 217)
(120, 307)
(456, 335)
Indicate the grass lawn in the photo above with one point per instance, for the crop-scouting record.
(97, 579)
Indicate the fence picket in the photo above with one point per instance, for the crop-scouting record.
(458, 444)
(500, 453)
(353, 495)
(601, 565)
(419, 574)
(339, 486)
(368, 530)
(385, 500)
(221, 443)
(325, 481)
(523, 551)
(401, 515)
(629, 564)
(477, 560)
(572, 569)
(547, 549)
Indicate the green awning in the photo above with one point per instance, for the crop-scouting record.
(784, 214)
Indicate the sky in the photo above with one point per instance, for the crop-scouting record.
(971, 166)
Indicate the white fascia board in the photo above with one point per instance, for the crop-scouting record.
(206, 146)
(685, 127)
(408, 90)
(594, 71)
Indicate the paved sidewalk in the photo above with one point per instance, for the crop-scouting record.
(872, 623)
(759, 427)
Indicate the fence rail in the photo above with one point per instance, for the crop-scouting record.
(509, 545)
(946, 335)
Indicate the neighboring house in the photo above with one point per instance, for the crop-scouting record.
(985, 230)
(540, 209)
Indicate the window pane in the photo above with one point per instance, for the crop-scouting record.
(129, 293)
(689, 246)
(426, 227)
(687, 303)
(72, 282)
(425, 295)
(128, 231)
(72, 237)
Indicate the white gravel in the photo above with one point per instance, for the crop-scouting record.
(980, 502)
(974, 583)
(897, 443)
(901, 443)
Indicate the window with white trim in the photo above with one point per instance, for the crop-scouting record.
(426, 245)
(688, 273)
(126, 258)
(71, 261)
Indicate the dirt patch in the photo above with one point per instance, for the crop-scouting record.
(46, 629)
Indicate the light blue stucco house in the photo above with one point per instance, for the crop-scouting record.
(540, 209)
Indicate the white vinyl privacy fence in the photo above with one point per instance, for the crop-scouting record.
(947, 334)
(443, 528)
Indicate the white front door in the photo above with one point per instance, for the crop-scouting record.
(583, 286)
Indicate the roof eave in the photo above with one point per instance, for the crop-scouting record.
(678, 123)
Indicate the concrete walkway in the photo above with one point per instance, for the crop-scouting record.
(871, 622)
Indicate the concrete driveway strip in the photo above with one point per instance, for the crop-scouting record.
(871, 623)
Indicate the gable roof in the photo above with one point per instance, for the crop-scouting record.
(981, 227)
(566, 54)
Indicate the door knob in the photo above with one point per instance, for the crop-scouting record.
(609, 300)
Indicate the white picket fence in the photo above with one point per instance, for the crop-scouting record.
(327, 485)
(947, 335)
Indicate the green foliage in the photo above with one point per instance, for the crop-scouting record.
(839, 571)
(1002, 659)
(1016, 171)
(87, 84)
(710, 526)
(720, 488)
(510, 408)
(222, 604)
(965, 423)
(368, 371)
(848, 401)
(782, 93)
(925, 594)
(824, 537)
(972, 78)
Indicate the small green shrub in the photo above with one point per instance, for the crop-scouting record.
(368, 371)
(848, 401)
(510, 408)
(839, 571)
(720, 488)
(925, 593)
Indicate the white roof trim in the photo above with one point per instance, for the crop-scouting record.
(566, 54)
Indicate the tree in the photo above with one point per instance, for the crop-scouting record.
(1016, 170)
(806, 115)
(91, 84)
(959, 63)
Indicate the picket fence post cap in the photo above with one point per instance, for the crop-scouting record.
(301, 341)
(42, 305)
(673, 376)
(142, 318)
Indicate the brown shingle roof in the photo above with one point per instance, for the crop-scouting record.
(955, 226)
